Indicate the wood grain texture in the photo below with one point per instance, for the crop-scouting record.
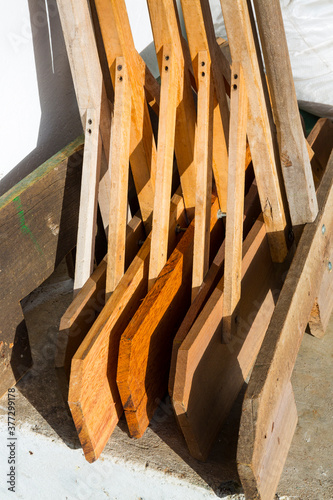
(235, 201)
(270, 379)
(203, 158)
(214, 275)
(145, 346)
(88, 83)
(119, 166)
(38, 224)
(82, 312)
(210, 374)
(118, 42)
(166, 31)
(164, 166)
(261, 135)
(201, 37)
(85, 246)
(93, 394)
(295, 162)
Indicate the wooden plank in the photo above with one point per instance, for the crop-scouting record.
(321, 141)
(295, 163)
(214, 275)
(323, 306)
(93, 395)
(38, 224)
(166, 31)
(210, 374)
(85, 246)
(235, 202)
(164, 167)
(203, 158)
(118, 42)
(261, 138)
(270, 379)
(82, 312)
(201, 37)
(146, 344)
(120, 149)
(88, 82)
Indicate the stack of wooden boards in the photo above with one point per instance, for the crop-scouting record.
(186, 298)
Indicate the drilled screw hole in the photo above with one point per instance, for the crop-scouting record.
(90, 121)
(166, 68)
(203, 73)
(120, 78)
(119, 67)
(89, 130)
(167, 58)
(235, 77)
(203, 63)
(235, 87)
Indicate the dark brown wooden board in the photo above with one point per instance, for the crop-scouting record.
(38, 226)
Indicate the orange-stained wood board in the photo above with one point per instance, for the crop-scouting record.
(215, 273)
(268, 422)
(93, 394)
(82, 312)
(209, 374)
(145, 346)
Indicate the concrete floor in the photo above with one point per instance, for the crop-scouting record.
(51, 464)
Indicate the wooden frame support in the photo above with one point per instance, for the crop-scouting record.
(201, 38)
(235, 202)
(268, 421)
(120, 149)
(146, 344)
(118, 42)
(262, 140)
(203, 157)
(295, 162)
(93, 394)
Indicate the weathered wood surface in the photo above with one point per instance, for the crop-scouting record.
(235, 201)
(295, 162)
(261, 442)
(166, 31)
(82, 312)
(201, 38)
(38, 225)
(214, 275)
(261, 133)
(118, 42)
(203, 158)
(210, 374)
(119, 166)
(93, 393)
(146, 345)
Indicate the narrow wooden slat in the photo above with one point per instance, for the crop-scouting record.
(209, 374)
(203, 157)
(85, 247)
(215, 273)
(323, 306)
(166, 31)
(164, 167)
(270, 380)
(88, 82)
(118, 42)
(146, 344)
(93, 396)
(120, 148)
(261, 139)
(201, 37)
(82, 312)
(235, 201)
(295, 161)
